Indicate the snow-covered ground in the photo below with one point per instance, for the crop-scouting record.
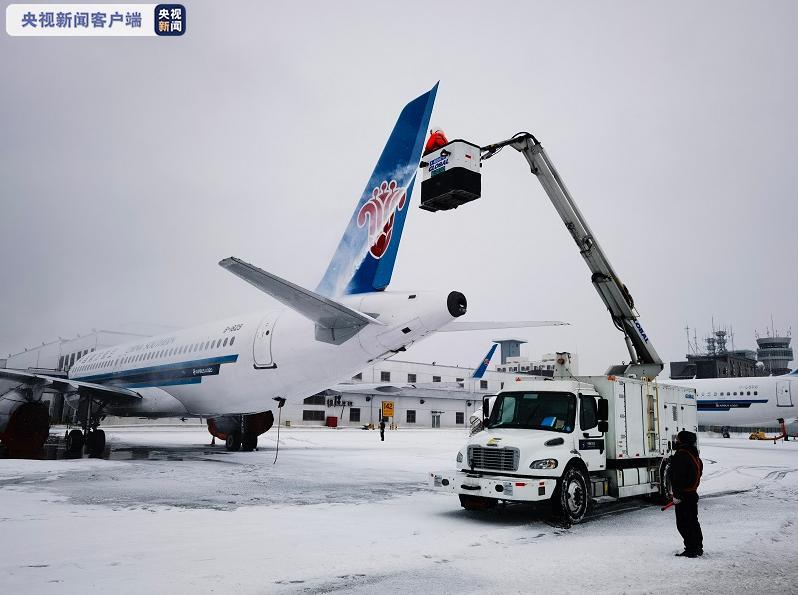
(341, 511)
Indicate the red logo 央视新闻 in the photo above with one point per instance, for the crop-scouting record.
(380, 212)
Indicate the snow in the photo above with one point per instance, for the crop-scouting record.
(341, 511)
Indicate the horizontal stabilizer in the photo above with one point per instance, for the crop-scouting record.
(457, 326)
(319, 309)
(447, 390)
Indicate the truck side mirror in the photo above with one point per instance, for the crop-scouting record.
(485, 409)
(603, 426)
(603, 410)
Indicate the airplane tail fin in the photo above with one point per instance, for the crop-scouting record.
(367, 251)
(480, 371)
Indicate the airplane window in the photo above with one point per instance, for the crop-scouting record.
(756, 393)
(218, 343)
(225, 342)
(728, 394)
(232, 339)
(735, 393)
(748, 393)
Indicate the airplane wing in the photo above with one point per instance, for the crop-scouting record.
(317, 308)
(109, 394)
(457, 326)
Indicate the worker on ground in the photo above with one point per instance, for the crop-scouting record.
(382, 429)
(437, 139)
(684, 473)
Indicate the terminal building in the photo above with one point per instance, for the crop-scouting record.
(446, 407)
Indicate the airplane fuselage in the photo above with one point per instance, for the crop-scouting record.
(744, 401)
(239, 364)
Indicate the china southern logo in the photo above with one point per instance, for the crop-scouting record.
(380, 212)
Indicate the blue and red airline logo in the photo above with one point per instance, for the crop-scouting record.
(379, 212)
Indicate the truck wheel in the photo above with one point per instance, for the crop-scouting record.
(571, 498)
(476, 502)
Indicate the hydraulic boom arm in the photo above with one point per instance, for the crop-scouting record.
(645, 362)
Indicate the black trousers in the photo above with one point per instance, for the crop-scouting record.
(687, 523)
(382, 435)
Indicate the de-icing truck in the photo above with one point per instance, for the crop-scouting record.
(570, 439)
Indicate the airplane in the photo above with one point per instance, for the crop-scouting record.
(236, 370)
(746, 401)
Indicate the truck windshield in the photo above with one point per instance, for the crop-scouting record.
(534, 410)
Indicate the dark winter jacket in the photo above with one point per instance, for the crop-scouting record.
(685, 471)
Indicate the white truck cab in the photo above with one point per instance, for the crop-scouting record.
(569, 441)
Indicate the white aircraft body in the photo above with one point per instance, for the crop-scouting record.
(748, 401)
(232, 371)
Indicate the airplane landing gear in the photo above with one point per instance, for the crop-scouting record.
(95, 442)
(74, 442)
(89, 436)
(240, 432)
(233, 441)
(249, 441)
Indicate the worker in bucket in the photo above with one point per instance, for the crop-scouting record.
(437, 139)
(684, 473)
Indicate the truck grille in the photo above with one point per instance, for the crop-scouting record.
(494, 459)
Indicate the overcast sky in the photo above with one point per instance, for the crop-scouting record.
(130, 166)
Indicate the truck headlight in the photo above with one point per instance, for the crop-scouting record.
(543, 464)
(459, 457)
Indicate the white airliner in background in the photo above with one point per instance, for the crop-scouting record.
(232, 371)
(750, 401)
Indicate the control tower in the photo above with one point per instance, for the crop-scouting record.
(509, 348)
(775, 353)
